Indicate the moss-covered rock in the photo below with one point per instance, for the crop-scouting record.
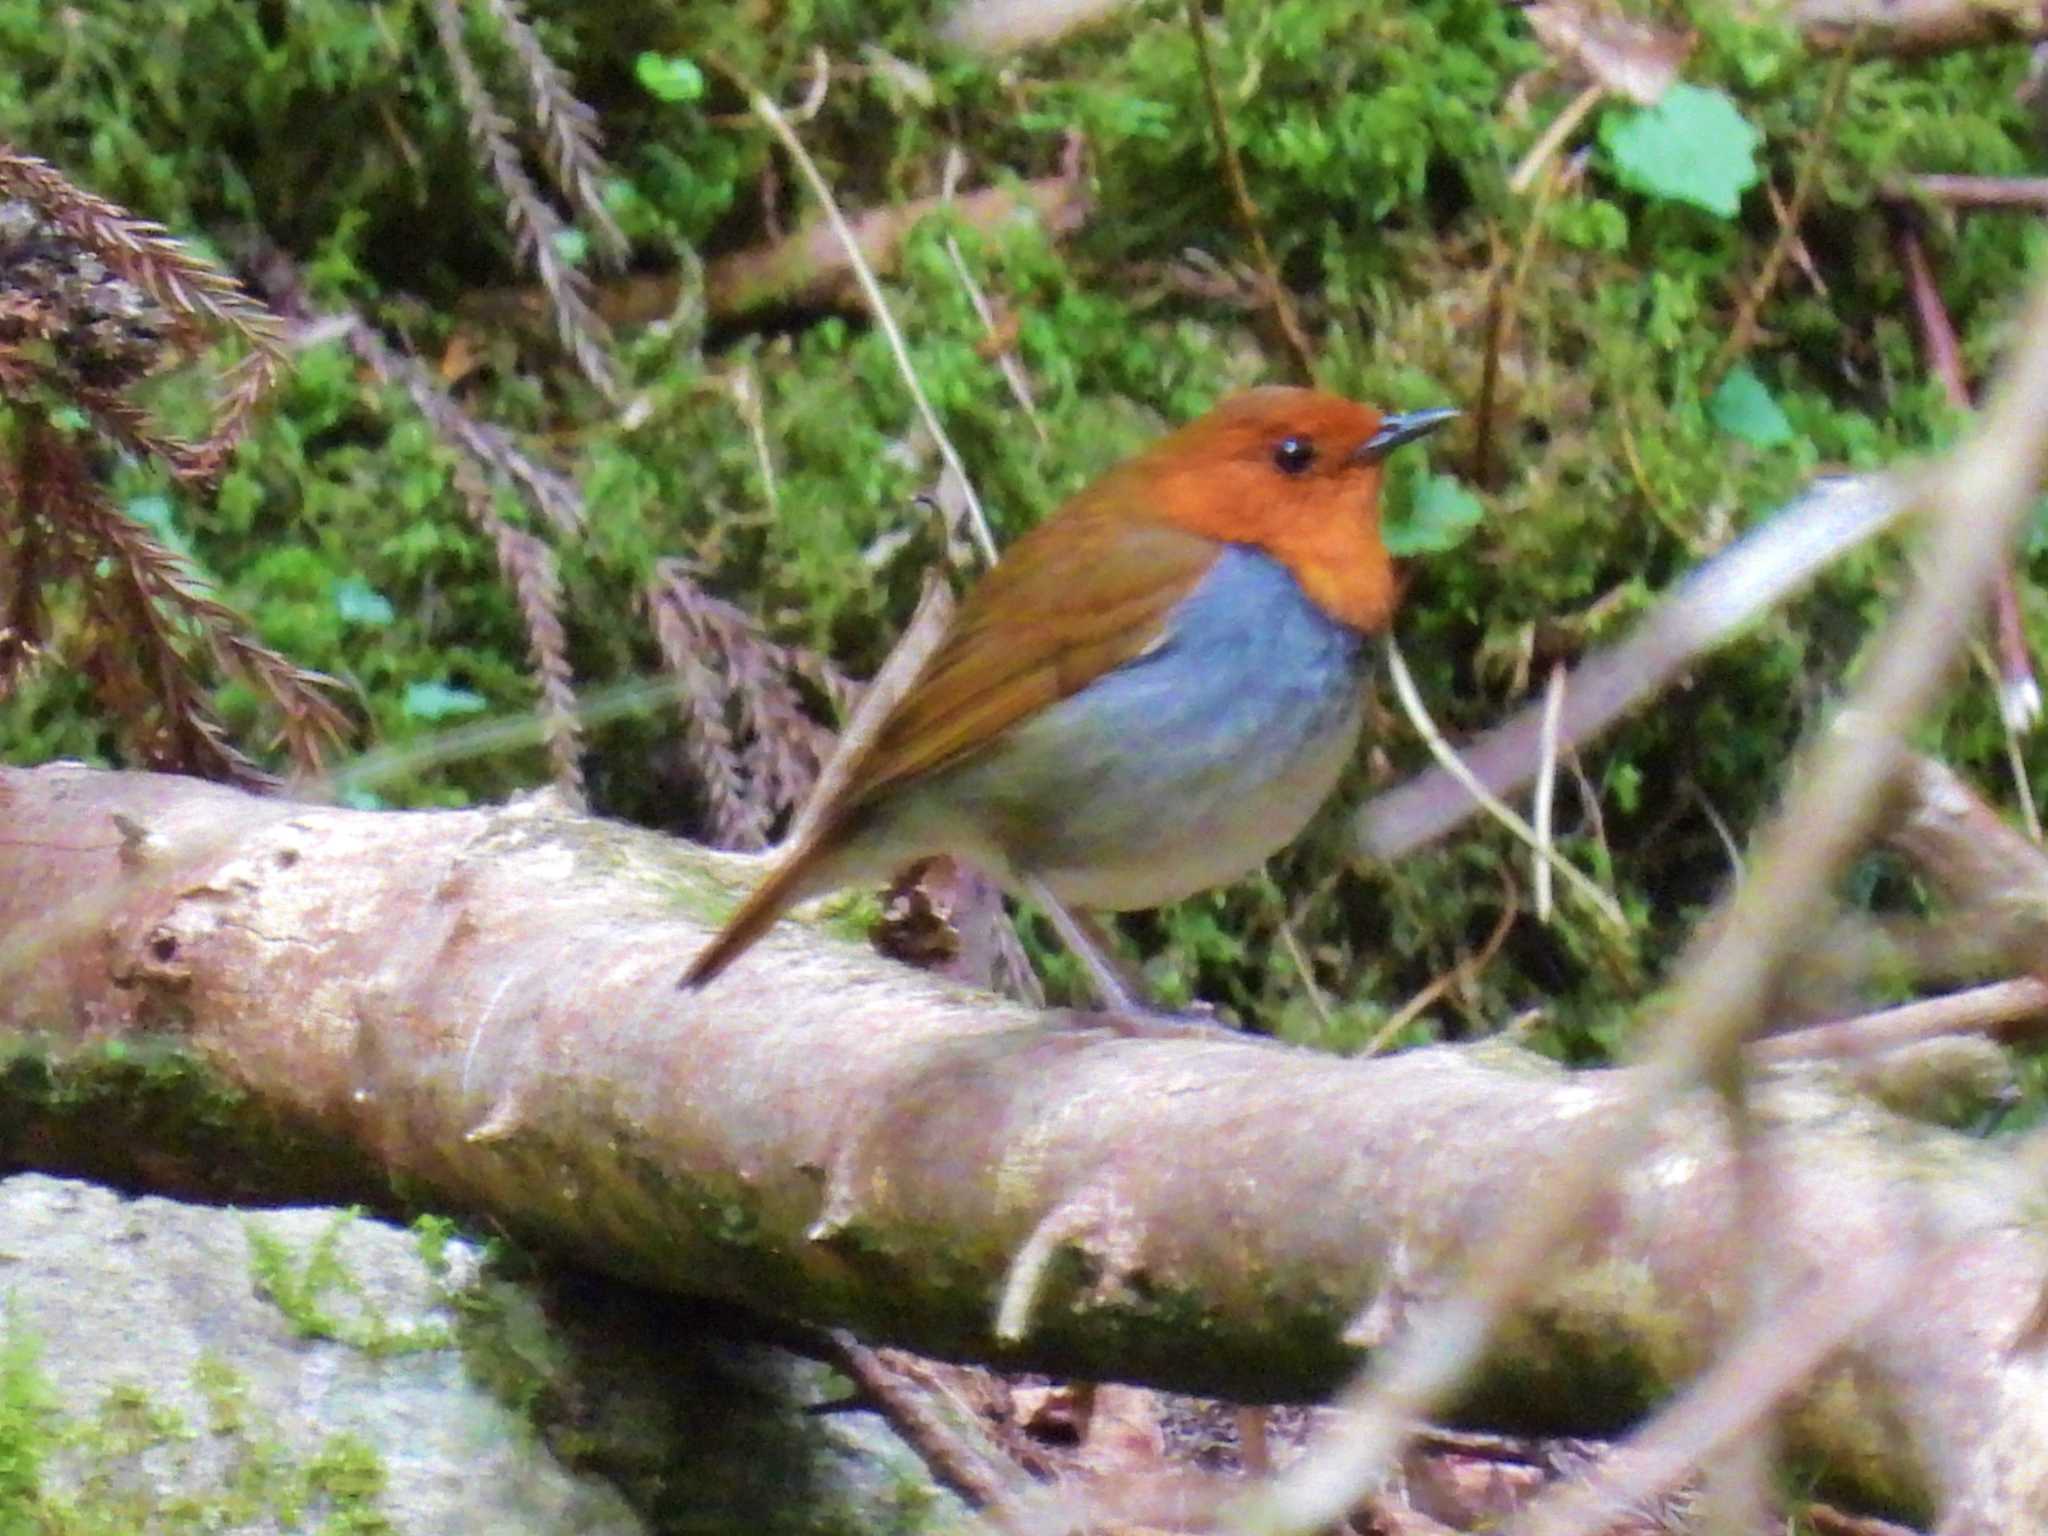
(179, 1369)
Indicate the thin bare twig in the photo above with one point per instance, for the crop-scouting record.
(2019, 692)
(1546, 788)
(1986, 489)
(1704, 611)
(1761, 1370)
(1503, 300)
(1465, 970)
(1994, 1008)
(2029, 192)
(2015, 749)
(1743, 332)
(1007, 361)
(1721, 829)
(1298, 349)
(1418, 716)
(1489, 366)
(1317, 1003)
(771, 117)
(810, 265)
(1801, 256)
(1938, 342)
(2022, 785)
(975, 1472)
(745, 390)
(1551, 140)
(1826, 1520)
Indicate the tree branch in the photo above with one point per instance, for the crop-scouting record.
(475, 1010)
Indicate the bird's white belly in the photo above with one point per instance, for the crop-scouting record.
(1184, 769)
(1204, 832)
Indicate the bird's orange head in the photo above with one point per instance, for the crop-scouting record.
(1296, 473)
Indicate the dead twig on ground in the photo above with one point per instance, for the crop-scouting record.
(2019, 692)
(1987, 487)
(976, 521)
(1298, 350)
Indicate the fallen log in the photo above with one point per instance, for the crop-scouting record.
(477, 1010)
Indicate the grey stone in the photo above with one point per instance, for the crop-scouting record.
(177, 1368)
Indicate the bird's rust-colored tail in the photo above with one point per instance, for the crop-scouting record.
(788, 883)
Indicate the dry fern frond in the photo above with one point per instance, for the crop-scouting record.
(758, 750)
(143, 252)
(553, 494)
(573, 151)
(311, 725)
(483, 455)
(92, 300)
(490, 447)
(534, 224)
(529, 565)
(23, 620)
(105, 290)
(144, 612)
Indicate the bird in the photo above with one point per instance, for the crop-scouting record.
(1152, 691)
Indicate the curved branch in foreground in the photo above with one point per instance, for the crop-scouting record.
(478, 1009)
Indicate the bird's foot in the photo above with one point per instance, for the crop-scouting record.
(1141, 1021)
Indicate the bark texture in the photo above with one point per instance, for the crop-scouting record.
(208, 991)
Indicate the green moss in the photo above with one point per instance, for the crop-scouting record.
(348, 1476)
(88, 1108)
(431, 1236)
(300, 1284)
(1862, 1451)
(509, 1349)
(1378, 138)
(86, 1476)
(25, 1427)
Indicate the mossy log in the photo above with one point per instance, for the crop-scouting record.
(478, 1010)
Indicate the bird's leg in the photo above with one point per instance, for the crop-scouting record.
(1117, 992)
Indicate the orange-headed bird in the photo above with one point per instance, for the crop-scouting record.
(1151, 693)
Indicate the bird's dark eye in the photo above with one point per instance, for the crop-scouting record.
(1294, 455)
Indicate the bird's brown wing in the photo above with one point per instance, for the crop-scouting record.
(1082, 593)
(1076, 597)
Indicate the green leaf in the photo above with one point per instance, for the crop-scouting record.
(1693, 147)
(360, 603)
(572, 245)
(1440, 515)
(438, 701)
(1742, 407)
(671, 77)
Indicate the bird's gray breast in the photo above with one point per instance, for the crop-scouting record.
(1188, 765)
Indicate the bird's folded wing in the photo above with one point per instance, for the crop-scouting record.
(1072, 600)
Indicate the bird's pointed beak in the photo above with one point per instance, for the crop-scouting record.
(1401, 427)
